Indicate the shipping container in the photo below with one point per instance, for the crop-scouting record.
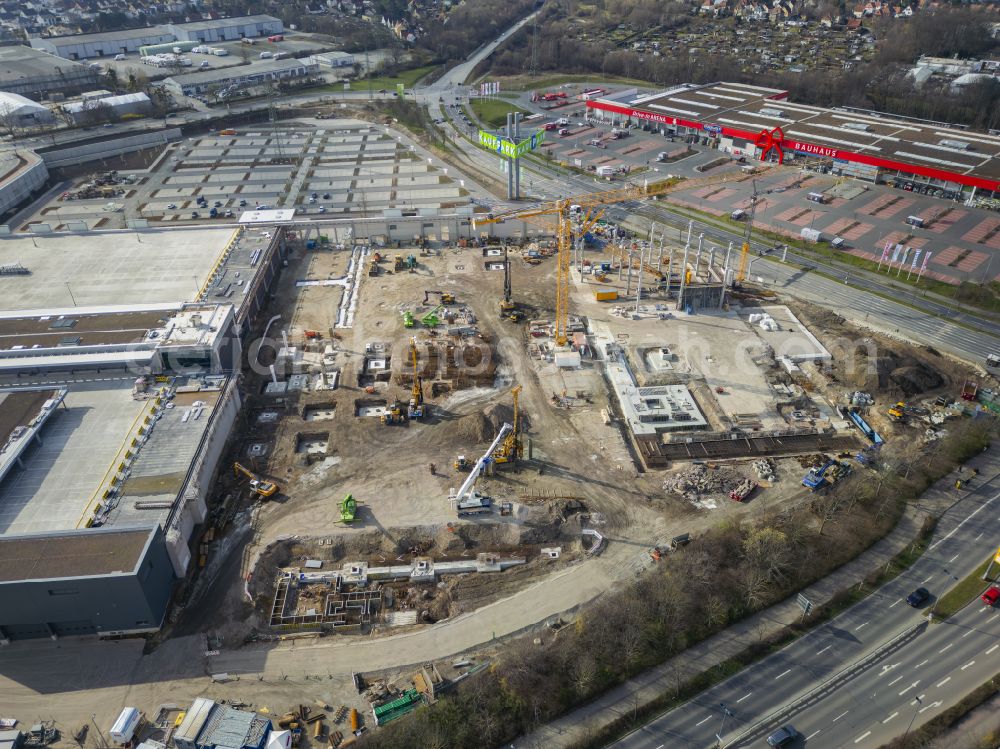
(605, 294)
(124, 729)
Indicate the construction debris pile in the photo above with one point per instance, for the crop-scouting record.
(703, 479)
(447, 365)
(764, 469)
(105, 185)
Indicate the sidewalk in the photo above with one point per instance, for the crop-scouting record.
(584, 722)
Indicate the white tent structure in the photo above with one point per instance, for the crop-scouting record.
(279, 740)
(22, 112)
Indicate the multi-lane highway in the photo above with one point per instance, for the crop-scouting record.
(860, 706)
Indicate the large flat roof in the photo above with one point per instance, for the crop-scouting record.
(109, 268)
(144, 32)
(19, 62)
(63, 480)
(224, 23)
(745, 111)
(263, 67)
(78, 554)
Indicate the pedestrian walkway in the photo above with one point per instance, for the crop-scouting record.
(585, 722)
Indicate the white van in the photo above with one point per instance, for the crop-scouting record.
(266, 55)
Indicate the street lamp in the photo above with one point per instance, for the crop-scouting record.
(918, 702)
(726, 713)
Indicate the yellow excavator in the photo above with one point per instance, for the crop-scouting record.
(258, 486)
(416, 409)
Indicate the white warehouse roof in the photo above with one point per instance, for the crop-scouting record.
(75, 107)
(15, 104)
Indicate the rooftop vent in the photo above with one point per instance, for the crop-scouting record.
(772, 112)
(859, 126)
(959, 145)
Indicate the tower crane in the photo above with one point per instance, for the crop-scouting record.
(755, 198)
(510, 450)
(585, 210)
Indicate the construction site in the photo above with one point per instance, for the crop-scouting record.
(429, 419)
(435, 418)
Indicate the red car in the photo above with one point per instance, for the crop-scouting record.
(991, 596)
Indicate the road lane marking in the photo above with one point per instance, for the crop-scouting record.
(970, 663)
(968, 517)
(889, 718)
(840, 716)
(921, 663)
(743, 697)
(812, 734)
(862, 737)
(927, 580)
(896, 603)
(953, 558)
(895, 680)
(929, 707)
(860, 626)
(909, 688)
(946, 647)
(661, 746)
(992, 649)
(983, 610)
(971, 631)
(782, 674)
(824, 650)
(980, 535)
(943, 681)
(702, 721)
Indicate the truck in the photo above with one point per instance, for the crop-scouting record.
(125, 727)
(743, 490)
(969, 390)
(605, 171)
(992, 360)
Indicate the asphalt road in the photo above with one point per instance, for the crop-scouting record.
(966, 534)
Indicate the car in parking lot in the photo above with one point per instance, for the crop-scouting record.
(784, 736)
(194, 214)
(322, 209)
(171, 206)
(991, 596)
(326, 196)
(243, 204)
(918, 597)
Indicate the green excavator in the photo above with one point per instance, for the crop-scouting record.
(431, 319)
(348, 509)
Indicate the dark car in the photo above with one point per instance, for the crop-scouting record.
(783, 736)
(918, 597)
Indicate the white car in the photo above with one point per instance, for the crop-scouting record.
(171, 206)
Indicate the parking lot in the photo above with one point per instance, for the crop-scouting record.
(347, 167)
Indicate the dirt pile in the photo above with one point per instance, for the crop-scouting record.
(484, 425)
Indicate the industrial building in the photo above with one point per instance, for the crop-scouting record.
(334, 59)
(757, 122)
(242, 76)
(118, 361)
(39, 75)
(17, 111)
(104, 44)
(109, 107)
(24, 176)
(111, 43)
(227, 29)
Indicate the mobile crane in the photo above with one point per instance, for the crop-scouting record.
(467, 501)
(258, 486)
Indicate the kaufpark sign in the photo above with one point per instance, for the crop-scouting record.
(509, 148)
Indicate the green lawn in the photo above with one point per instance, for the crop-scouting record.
(406, 77)
(963, 592)
(494, 111)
